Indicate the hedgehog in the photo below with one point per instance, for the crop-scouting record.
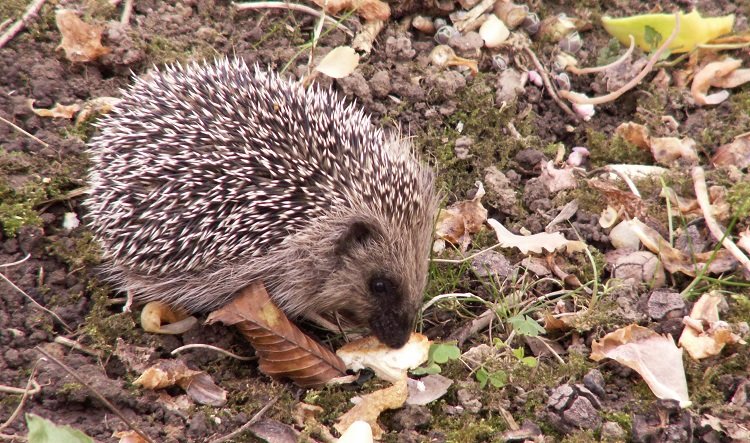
(209, 177)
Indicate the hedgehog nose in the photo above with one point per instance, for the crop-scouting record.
(391, 328)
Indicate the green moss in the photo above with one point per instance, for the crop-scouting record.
(739, 198)
(606, 149)
(102, 326)
(78, 252)
(13, 216)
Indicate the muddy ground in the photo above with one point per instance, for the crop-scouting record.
(449, 113)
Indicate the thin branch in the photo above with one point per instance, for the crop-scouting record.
(23, 131)
(101, 398)
(26, 392)
(293, 7)
(213, 348)
(581, 99)
(30, 13)
(701, 194)
(580, 71)
(258, 415)
(127, 11)
(548, 83)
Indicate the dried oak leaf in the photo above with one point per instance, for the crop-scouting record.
(283, 350)
(57, 111)
(620, 200)
(704, 334)
(735, 153)
(635, 134)
(197, 384)
(367, 9)
(456, 223)
(655, 357)
(80, 41)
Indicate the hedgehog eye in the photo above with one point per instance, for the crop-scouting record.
(380, 287)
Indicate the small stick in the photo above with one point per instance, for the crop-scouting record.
(72, 344)
(127, 11)
(23, 131)
(30, 13)
(595, 69)
(213, 348)
(258, 415)
(4, 24)
(26, 392)
(583, 100)
(293, 7)
(101, 398)
(548, 83)
(701, 194)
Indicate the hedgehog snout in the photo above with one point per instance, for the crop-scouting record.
(392, 328)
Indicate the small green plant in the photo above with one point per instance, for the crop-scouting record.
(529, 361)
(497, 379)
(525, 325)
(439, 353)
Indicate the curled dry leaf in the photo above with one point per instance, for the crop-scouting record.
(719, 74)
(456, 223)
(655, 357)
(155, 314)
(720, 208)
(667, 150)
(704, 334)
(339, 63)
(535, 243)
(735, 153)
(367, 9)
(675, 260)
(197, 384)
(283, 350)
(80, 41)
(388, 363)
(57, 111)
(129, 437)
(371, 405)
(622, 201)
(635, 133)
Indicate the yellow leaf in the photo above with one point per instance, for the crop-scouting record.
(694, 29)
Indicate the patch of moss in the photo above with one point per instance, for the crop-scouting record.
(466, 428)
(13, 216)
(606, 149)
(83, 251)
(739, 198)
(102, 326)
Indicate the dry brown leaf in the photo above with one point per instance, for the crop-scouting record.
(197, 384)
(339, 63)
(388, 363)
(100, 105)
(57, 111)
(667, 150)
(80, 41)
(635, 134)
(456, 223)
(620, 200)
(129, 437)
(367, 9)
(704, 334)
(371, 405)
(735, 153)
(720, 74)
(655, 357)
(675, 260)
(556, 180)
(720, 208)
(283, 350)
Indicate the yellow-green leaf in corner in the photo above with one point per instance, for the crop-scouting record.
(650, 30)
(44, 431)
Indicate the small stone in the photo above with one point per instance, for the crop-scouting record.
(582, 414)
(491, 263)
(411, 417)
(594, 381)
(463, 144)
(612, 431)
(662, 301)
(560, 397)
(469, 401)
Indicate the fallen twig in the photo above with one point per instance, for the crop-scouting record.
(293, 7)
(30, 13)
(258, 415)
(548, 84)
(127, 11)
(581, 99)
(72, 344)
(26, 392)
(580, 71)
(23, 131)
(213, 348)
(101, 398)
(701, 194)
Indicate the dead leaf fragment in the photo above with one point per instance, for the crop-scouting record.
(283, 349)
(719, 74)
(80, 41)
(556, 180)
(735, 153)
(371, 405)
(388, 363)
(197, 384)
(160, 318)
(339, 63)
(655, 357)
(635, 134)
(667, 150)
(129, 437)
(100, 105)
(536, 243)
(57, 111)
(704, 334)
(367, 9)
(456, 223)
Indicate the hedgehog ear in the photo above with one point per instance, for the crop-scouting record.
(357, 233)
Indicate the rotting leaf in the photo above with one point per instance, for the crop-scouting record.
(80, 41)
(655, 357)
(198, 385)
(635, 133)
(456, 223)
(283, 350)
(339, 63)
(57, 111)
(649, 30)
(556, 180)
(704, 334)
(622, 201)
(667, 150)
(736, 153)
